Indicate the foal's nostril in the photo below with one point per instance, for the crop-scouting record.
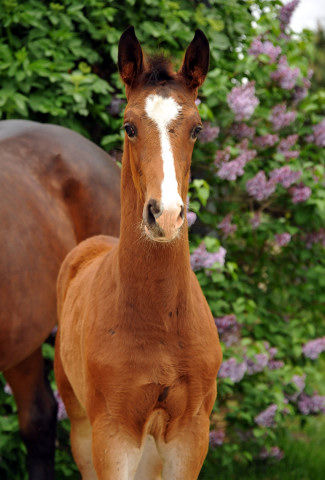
(182, 212)
(150, 217)
(153, 211)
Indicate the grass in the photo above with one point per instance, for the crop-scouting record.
(304, 458)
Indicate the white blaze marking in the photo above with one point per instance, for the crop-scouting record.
(162, 111)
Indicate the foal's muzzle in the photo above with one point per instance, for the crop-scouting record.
(162, 224)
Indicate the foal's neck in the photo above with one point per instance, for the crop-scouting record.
(145, 263)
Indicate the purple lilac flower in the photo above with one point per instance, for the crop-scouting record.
(233, 370)
(242, 100)
(285, 76)
(241, 130)
(115, 106)
(217, 437)
(197, 101)
(201, 258)
(315, 237)
(311, 404)
(226, 226)
(300, 383)
(285, 176)
(319, 133)
(301, 92)
(300, 193)
(280, 117)
(314, 348)
(228, 329)
(285, 145)
(272, 363)
(7, 389)
(265, 141)
(62, 414)
(266, 417)
(256, 220)
(209, 133)
(220, 256)
(222, 156)
(307, 80)
(235, 168)
(275, 364)
(285, 410)
(286, 12)
(231, 170)
(282, 239)
(191, 218)
(225, 323)
(256, 364)
(267, 48)
(274, 453)
(259, 187)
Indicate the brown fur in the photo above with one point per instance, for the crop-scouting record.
(57, 188)
(137, 350)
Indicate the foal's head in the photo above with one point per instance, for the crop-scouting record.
(161, 122)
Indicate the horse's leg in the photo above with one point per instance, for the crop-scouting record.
(115, 455)
(80, 434)
(183, 456)
(37, 410)
(150, 465)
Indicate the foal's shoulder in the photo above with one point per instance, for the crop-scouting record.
(88, 249)
(79, 258)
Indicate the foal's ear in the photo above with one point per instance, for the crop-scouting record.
(130, 57)
(196, 61)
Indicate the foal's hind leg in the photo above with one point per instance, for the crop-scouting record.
(37, 414)
(80, 435)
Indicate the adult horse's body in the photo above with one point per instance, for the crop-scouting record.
(137, 350)
(57, 188)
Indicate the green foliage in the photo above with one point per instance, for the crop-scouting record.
(58, 64)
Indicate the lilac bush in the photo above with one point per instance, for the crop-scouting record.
(266, 175)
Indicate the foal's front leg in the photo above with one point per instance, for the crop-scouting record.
(116, 455)
(184, 455)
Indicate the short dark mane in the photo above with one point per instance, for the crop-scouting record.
(158, 70)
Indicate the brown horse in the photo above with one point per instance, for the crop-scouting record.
(57, 188)
(137, 350)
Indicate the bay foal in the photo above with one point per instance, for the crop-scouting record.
(137, 350)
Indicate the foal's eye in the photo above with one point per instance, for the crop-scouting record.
(130, 130)
(195, 132)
